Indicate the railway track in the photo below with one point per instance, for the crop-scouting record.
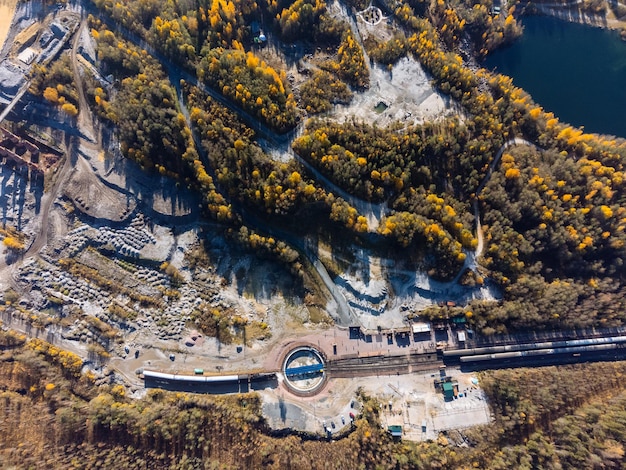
(383, 365)
(521, 354)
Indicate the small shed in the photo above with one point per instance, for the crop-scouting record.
(448, 391)
(255, 28)
(27, 56)
(395, 430)
(420, 327)
(45, 39)
(58, 30)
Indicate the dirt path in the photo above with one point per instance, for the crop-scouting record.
(41, 238)
(495, 161)
(85, 118)
(471, 259)
(70, 147)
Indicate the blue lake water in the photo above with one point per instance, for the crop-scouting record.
(577, 72)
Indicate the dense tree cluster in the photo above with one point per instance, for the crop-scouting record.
(174, 37)
(489, 32)
(350, 64)
(182, 29)
(298, 19)
(251, 83)
(556, 232)
(386, 52)
(387, 165)
(540, 423)
(209, 37)
(377, 163)
(321, 91)
(486, 30)
(359, 158)
(253, 178)
(455, 20)
(567, 214)
(240, 165)
(56, 84)
(306, 20)
(151, 129)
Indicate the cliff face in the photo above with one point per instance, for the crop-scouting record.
(598, 13)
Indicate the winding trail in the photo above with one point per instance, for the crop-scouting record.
(70, 152)
(471, 259)
(70, 146)
(41, 238)
(509, 143)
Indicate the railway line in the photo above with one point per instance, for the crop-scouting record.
(490, 350)
(531, 354)
(539, 353)
(569, 351)
(383, 365)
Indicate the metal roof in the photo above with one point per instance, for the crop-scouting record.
(304, 369)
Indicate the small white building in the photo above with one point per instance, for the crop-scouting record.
(27, 56)
(420, 327)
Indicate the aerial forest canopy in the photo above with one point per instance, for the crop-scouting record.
(550, 197)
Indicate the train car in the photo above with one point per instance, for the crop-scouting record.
(538, 353)
(491, 357)
(454, 353)
(161, 376)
